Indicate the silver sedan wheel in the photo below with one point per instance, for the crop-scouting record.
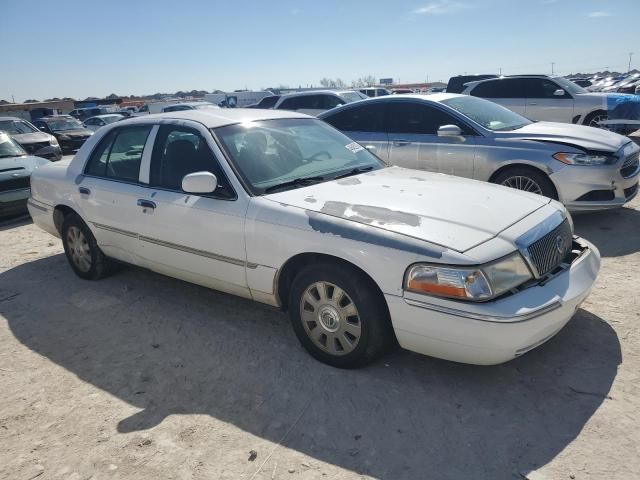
(522, 183)
(79, 249)
(330, 318)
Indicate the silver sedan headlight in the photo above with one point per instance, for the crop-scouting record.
(468, 283)
(584, 158)
(53, 141)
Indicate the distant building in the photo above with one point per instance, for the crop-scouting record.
(35, 110)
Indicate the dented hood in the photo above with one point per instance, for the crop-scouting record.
(585, 138)
(453, 212)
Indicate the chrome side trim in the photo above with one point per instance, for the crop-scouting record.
(193, 251)
(483, 317)
(175, 246)
(115, 230)
(33, 203)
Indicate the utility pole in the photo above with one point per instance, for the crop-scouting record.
(629, 68)
(552, 65)
(500, 68)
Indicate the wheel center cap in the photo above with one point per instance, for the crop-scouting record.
(329, 318)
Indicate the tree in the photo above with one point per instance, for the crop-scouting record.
(31, 100)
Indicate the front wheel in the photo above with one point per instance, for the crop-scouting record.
(528, 180)
(339, 316)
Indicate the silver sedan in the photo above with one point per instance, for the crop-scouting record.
(584, 167)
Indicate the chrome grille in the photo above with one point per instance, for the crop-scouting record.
(630, 165)
(549, 251)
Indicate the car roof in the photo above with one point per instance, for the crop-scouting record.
(219, 117)
(12, 118)
(189, 104)
(315, 92)
(425, 97)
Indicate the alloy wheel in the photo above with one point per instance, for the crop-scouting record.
(79, 249)
(523, 183)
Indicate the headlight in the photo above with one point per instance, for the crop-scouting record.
(583, 158)
(468, 283)
(53, 141)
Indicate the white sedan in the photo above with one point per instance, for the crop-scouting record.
(281, 208)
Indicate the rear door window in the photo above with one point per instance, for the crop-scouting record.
(119, 153)
(501, 88)
(365, 118)
(416, 118)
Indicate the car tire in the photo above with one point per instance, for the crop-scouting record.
(339, 315)
(528, 180)
(594, 117)
(82, 251)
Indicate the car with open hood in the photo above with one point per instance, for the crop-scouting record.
(556, 99)
(585, 168)
(282, 208)
(34, 141)
(16, 167)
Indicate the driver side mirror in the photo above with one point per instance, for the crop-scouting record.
(43, 128)
(449, 131)
(199, 182)
(558, 93)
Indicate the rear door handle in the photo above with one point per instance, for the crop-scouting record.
(84, 191)
(146, 203)
(401, 143)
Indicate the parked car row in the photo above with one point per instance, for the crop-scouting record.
(281, 208)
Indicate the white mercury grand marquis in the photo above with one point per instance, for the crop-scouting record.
(282, 208)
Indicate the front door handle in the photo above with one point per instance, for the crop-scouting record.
(84, 191)
(146, 203)
(401, 143)
(532, 103)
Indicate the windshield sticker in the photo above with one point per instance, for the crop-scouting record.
(354, 147)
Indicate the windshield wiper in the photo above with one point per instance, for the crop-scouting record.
(296, 182)
(354, 171)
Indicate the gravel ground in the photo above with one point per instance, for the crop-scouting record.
(144, 377)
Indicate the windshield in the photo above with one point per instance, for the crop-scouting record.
(9, 147)
(569, 86)
(352, 96)
(273, 152)
(63, 124)
(16, 127)
(488, 114)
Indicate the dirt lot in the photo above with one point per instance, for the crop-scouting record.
(144, 377)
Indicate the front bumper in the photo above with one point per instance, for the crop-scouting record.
(498, 331)
(72, 144)
(14, 202)
(52, 152)
(575, 183)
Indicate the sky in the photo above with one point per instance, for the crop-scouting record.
(94, 48)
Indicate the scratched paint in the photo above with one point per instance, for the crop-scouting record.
(373, 236)
(369, 214)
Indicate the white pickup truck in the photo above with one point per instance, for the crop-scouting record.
(281, 208)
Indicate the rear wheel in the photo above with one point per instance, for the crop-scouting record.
(82, 251)
(593, 119)
(339, 316)
(528, 180)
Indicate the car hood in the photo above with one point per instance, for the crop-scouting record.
(76, 132)
(27, 138)
(452, 212)
(586, 138)
(17, 166)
